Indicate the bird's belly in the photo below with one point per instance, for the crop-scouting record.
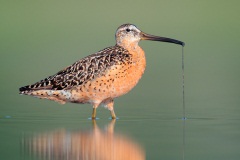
(118, 80)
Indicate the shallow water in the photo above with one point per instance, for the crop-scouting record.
(38, 39)
(150, 136)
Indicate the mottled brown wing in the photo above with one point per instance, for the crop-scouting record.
(83, 70)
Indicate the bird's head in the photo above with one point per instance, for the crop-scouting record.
(130, 34)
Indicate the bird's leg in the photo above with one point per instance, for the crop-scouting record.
(94, 112)
(109, 104)
(113, 114)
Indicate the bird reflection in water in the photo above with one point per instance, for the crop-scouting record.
(95, 144)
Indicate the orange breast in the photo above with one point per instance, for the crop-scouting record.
(128, 75)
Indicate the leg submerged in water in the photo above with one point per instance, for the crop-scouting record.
(94, 112)
(109, 105)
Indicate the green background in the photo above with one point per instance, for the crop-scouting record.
(39, 38)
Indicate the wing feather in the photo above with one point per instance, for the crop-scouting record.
(82, 71)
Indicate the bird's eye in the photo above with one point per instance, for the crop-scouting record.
(128, 30)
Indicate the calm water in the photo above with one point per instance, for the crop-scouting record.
(38, 38)
(71, 135)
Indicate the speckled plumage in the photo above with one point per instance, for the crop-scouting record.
(100, 77)
(83, 70)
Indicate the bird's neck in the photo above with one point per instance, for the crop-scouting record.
(130, 46)
(138, 55)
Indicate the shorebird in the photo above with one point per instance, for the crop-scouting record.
(100, 77)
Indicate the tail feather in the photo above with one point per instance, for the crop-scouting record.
(24, 89)
(57, 96)
(37, 86)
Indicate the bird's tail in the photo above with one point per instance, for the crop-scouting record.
(43, 93)
(41, 85)
(25, 89)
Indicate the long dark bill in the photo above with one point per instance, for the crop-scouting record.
(145, 36)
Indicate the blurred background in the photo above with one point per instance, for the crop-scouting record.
(39, 38)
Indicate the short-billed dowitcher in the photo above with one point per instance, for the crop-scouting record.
(100, 77)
